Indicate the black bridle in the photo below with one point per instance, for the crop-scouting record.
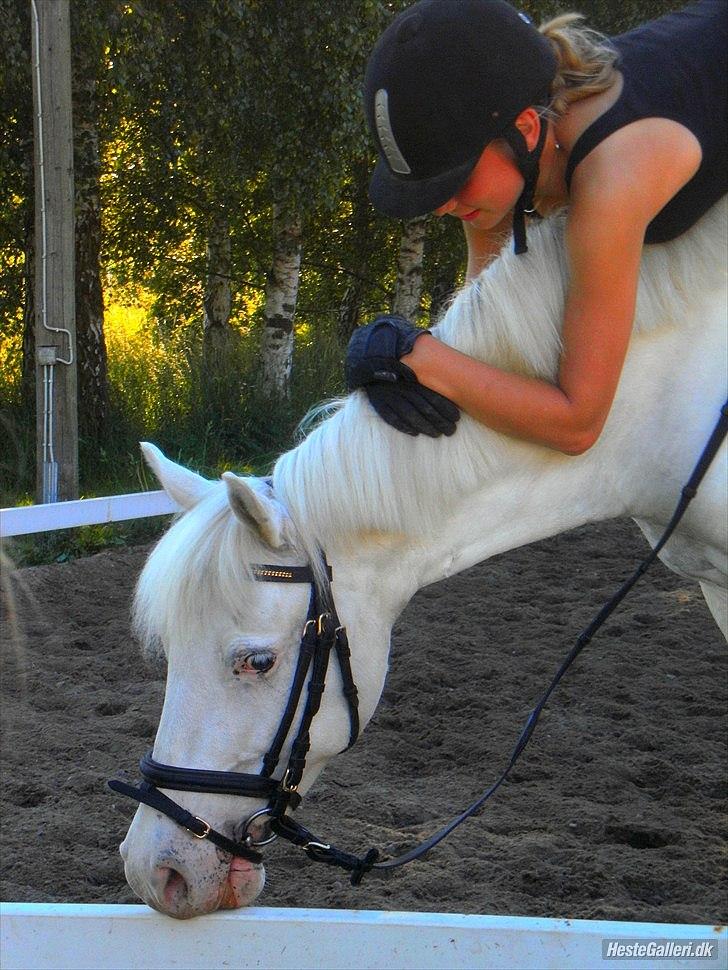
(323, 632)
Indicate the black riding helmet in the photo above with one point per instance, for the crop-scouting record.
(445, 79)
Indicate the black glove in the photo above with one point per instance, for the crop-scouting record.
(374, 351)
(413, 408)
(372, 363)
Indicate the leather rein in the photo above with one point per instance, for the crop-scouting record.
(322, 633)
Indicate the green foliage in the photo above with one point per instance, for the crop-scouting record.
(68, 544)
(210, 107)
(604, 15)
(16, 160)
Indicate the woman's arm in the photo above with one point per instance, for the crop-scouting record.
(616, 195)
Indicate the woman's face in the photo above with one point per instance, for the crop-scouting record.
(491, 192)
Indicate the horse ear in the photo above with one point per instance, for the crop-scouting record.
(186, 488)
(255, 509)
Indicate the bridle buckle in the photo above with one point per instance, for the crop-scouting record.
(285, 787)
(207, 825)
(324, 846)
(320, 623)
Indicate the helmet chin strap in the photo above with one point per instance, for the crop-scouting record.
(528, 165)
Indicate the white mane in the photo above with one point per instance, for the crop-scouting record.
(354, 473)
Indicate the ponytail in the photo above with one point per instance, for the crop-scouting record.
(585, 61)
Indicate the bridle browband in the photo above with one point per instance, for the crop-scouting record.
(322, 632)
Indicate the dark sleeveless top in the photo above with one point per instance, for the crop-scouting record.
(675, 68)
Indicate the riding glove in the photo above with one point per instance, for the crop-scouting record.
(372, 363)
(413, 408)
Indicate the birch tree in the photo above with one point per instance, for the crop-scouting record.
(312, 58)
(280, 303)
(408, 285)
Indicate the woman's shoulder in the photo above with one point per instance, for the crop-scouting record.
(636, 170)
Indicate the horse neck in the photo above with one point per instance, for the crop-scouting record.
(543, 495)
(376, 574)
(520, 509)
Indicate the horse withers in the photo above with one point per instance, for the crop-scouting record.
(394, 514)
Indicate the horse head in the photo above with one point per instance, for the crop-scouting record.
(232, 645)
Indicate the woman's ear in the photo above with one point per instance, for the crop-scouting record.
(529, 124)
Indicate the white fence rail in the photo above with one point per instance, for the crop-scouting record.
(106, 937)
(29, 519)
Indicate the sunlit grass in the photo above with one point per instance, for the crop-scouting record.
(162, 390)
(127, 321)
(148, 371)
(11, 350)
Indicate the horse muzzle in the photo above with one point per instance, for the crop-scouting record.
(182, 877)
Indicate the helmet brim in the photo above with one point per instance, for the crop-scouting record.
(406, 198)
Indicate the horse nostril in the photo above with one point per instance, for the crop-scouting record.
(173, 887)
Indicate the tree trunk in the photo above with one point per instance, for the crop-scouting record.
(363, 234)
(408, 288)
(280, 304)
(93, 394)
(218, 296)
(350, 309)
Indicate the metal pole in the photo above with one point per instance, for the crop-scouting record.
(55, 331)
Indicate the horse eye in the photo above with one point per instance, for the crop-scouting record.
(254, 662)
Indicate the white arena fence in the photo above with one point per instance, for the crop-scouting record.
(36, 936)
(106, 937)
(29, 519)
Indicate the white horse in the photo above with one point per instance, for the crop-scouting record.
(395, 513)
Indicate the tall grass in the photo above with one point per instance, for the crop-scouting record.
(161, 390)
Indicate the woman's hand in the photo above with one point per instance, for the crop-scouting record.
(373, 363)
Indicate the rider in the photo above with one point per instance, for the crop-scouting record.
(479, 115)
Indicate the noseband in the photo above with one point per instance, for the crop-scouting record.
(322, 632)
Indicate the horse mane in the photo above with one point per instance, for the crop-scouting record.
(353, 473)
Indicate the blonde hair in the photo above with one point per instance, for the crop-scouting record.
(585, 61)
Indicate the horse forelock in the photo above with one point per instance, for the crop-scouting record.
(201, 567)
(354, 473)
